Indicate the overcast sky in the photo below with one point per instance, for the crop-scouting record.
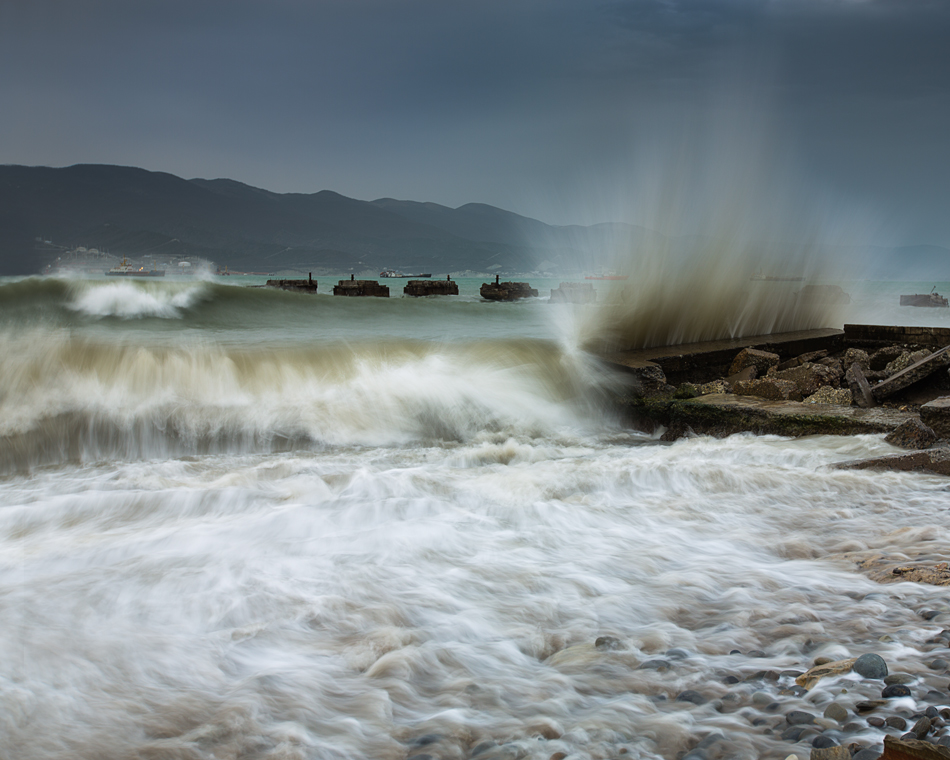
(551, 108)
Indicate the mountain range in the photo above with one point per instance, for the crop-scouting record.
(134, 212)
(131, 211)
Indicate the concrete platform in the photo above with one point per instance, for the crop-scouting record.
(709, 360)
(722, 414)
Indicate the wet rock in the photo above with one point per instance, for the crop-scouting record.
(750, 357)
(507, 291)
(905, 360)
(869, 705)
(828, 395)
(607, 643)
(933, 713)
(866, 754)
(928, 614)
(884, 356)
(935, 460)
(824, 742)
(896, 721)
(691, 696)
(921, 727)
(870, 666)
(656, 664)
(895, 690)
(912, 434)
(856, 356)
(774, 389)
(830, 753)
(834, 711)
(918, 370)
(903, 678)
(677, 654)
(762, 698)
(793, 733)
(938, 664)
(716, 386)
(730, 680)
(807, 377)
(859, 386)
(686, 390)
(799, 718)
(876, 722)
(809, 678)
(936, 415)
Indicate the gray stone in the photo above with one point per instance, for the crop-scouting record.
(895, 690)
(937, 664)
(936, 414)
(750, 357)
(769, 388)
(859, 386)
(657, 664)
(921, 728)
(828, 395)
(856, 356)
(903, 678)
(836, 712)
(870, 666)
(895, 721)
(912, 434)
(866, 754)
(884, 356)
(607, 643)
(691, 696)
(916, 371)
(799, 718)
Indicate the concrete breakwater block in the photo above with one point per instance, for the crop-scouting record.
(573, 292)
(298, 286)
(431, 288)
(354, 287)
(507, 291)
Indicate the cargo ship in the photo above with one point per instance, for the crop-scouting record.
(125, 269)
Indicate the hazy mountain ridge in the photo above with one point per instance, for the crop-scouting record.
(134, 211)
(127, 210)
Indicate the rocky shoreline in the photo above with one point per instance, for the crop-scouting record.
(822, 382)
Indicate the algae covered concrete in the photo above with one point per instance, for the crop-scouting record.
(722, 414)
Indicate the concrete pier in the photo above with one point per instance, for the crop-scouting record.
(431, 288)
(507, 291)
(354, 287)
(298, 286)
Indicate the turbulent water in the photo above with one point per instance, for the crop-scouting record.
(241, 523)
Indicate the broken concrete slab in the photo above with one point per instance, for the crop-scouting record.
(763, 361)
(724, 414)
(936, 415)
(916, 371)
(860, 388)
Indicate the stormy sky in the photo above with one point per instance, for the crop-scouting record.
(551, 108)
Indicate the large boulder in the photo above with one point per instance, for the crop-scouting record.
(912, 434)
(772, 388)
(763, 361)
(808, 377)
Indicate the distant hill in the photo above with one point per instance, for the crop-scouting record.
(131, 211)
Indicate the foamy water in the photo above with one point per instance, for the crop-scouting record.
(220, 544)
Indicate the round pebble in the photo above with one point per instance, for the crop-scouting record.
(929, 614)
(896, 722)
(932, 712)
(756, 653)
(799, 718)
(823, 742)
(655, 665)
(691, 696)
(730, 680)
(836, 712)
(876, 722)
(902, 678)
(938, 664)
(607, 642)
(793, 733)
(870, 666)
(677, 653)
(895, 690)
(866, 754)
(761, 698)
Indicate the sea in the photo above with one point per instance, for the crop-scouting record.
(237, 522)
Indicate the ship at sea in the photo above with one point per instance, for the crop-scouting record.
(126, 269)
(394, 273)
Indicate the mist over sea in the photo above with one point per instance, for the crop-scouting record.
(237, 522)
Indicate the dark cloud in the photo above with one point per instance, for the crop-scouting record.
(536, 105)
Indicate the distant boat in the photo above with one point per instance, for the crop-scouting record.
(394, 273)
(925, 299)
(125, 269)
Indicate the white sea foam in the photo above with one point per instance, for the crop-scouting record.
(134, 300)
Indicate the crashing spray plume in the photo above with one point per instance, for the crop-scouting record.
(733, 246)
